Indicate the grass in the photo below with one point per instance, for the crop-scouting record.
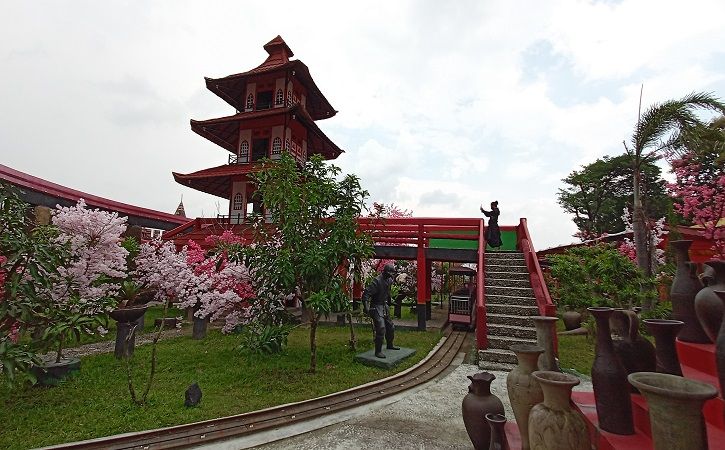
(96, 402)
(575, 352)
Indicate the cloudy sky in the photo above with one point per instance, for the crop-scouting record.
(442, 105)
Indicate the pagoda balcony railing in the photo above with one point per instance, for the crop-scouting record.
(236, 159)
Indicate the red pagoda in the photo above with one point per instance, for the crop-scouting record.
(277, 104)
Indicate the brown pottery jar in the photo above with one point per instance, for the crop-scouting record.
(636, 353)
(665, 331)
(476, 404)
(685, 287)
(609, 379)
(708, 307)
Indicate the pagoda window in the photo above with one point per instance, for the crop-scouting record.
(279, 99)
(244, 152)
(276, 148)
(237, 203)
(250, 101)
(260, 149)
(264, 100)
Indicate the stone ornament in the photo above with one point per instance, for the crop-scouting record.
(665, 331)
(675, 409)
(554, 423)
(545, 335)
(524, 391)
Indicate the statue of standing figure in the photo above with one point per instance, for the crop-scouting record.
(376, 300)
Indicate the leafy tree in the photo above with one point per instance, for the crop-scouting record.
(598, 275)
(657, 129)
(598, 193)
(312, 232)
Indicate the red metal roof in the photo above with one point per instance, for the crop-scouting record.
(232, 88)
(46, 187)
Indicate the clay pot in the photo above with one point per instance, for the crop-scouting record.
(708, 307)
(572, 320)
(476, 404)
(545, 335)
(554, 423)
(497, 422)
(665, 332)
(609, 379)
(675, 409)
(524, 392)
(685, 287)
(636, 353)
(720, 348)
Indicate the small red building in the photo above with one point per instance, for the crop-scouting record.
(277, 104)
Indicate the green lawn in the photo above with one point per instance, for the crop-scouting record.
(575, 352)
(96, 402)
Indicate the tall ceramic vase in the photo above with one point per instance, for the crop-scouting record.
(636, 353)
(685, 286)
(524, 391)
(665, 332)
(554, 423)
(476, 404)
(720, 348)
(609, 379)
(497, 422)
(545, 335)
(675, 409)
(708, 307)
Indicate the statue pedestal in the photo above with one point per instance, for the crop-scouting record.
(392, 357)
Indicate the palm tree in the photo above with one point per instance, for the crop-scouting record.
(657, 129)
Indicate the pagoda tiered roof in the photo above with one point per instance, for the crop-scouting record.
(224, 131)
(217, 180)
(231, 88)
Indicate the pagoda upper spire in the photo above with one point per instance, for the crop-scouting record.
(279, 51)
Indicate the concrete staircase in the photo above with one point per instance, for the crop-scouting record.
(510, 303)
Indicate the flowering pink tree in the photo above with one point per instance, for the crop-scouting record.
(87, 283)
(699, 191)
(656, 233)
(212, 284)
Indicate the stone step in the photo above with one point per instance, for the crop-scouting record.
(512, 275)
(505, 255)
(505, 342)
(495, 329)
(507, 282)
(514, 310)
(507, 268)
(500, 367)
(497, 356)
(510, 291)
(507, 319)
(511, 300)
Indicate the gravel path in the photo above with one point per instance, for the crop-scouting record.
(426, 419)
(108, 346)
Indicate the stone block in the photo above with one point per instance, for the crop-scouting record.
(392, 357)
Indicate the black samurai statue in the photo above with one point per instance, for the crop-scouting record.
(376, 299)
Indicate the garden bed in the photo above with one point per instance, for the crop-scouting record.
(96, 402)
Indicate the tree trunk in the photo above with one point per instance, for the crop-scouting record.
(60, 348)
(639, 223)
(353, 338)
(313, 342)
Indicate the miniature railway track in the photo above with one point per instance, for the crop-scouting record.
(200, 433)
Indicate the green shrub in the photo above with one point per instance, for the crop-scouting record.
(597, 276)
(265, 339)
